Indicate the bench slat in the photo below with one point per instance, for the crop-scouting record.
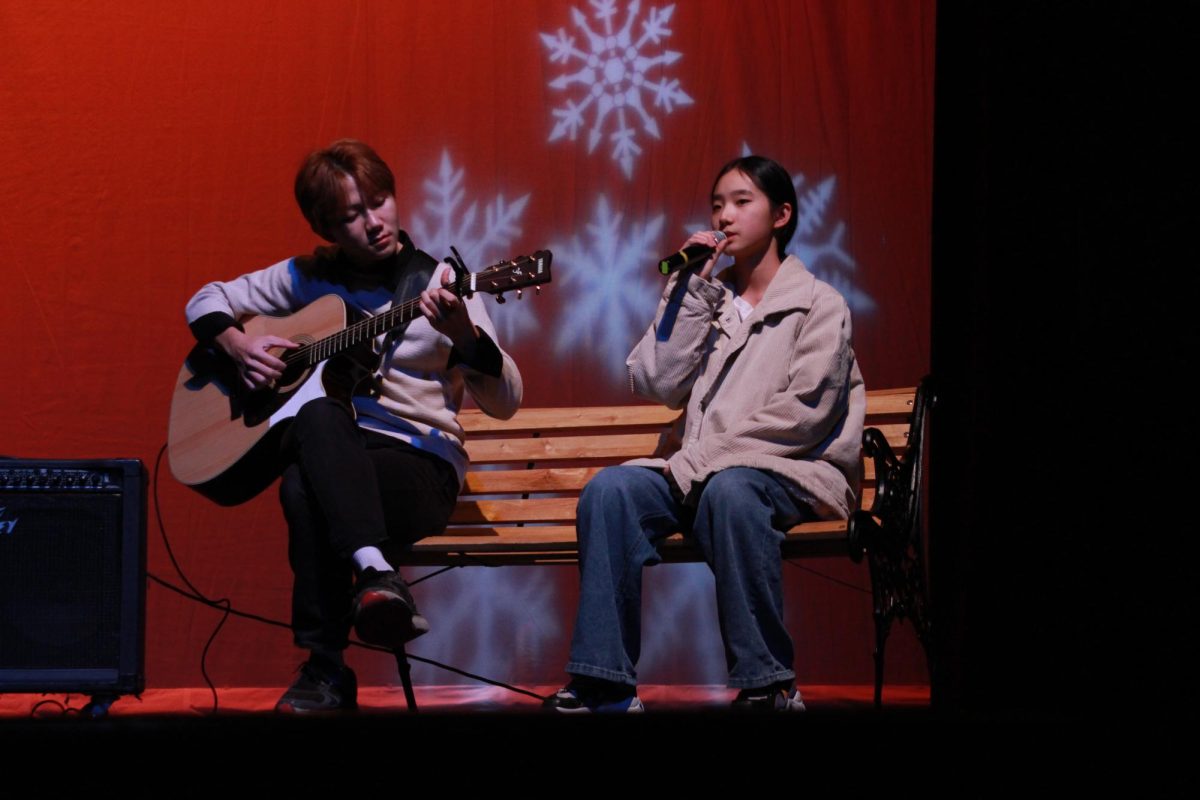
(554, 509)
(474, 421)
(545, 537)
(555, 479)
(881, 402)
(565, 419)
(896, 434)
(538, 509)
(558, 537)
(562, 448)
(555, 544)
(532, 481)
(600, 446)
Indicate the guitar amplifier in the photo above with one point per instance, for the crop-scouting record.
(72, 576)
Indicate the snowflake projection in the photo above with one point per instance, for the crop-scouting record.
(816, 242)
(826, 257)
(611, 291)
(613, 77)
(487, 621)
(681, 625)
(481, 242)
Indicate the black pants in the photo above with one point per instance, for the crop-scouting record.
(344, 488)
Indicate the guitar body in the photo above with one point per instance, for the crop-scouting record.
(222, 438)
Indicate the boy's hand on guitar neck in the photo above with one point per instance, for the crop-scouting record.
(257, 365)
(448, 314)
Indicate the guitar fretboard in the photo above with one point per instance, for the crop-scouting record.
(365, 329)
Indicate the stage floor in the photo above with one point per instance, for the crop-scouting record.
(441, 699)
(471, 738)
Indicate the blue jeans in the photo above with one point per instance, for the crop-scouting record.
(625, 511)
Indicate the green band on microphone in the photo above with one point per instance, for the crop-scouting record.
(664, 266)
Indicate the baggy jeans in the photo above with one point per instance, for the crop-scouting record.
(738, 524)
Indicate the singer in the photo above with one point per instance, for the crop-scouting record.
(760, 357)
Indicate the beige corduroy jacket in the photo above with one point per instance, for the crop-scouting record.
(780, 391)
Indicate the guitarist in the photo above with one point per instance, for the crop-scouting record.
(361, 480)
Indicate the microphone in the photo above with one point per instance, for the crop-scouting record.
(689, 256)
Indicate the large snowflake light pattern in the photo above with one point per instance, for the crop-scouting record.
(487, 621)
(613, 73)
(818, 243)
(481, 242)
(610, 289)
(680, 630)
(826, 257)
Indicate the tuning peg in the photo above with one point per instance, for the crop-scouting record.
(500, 299)
(519, 291)
(537, 290)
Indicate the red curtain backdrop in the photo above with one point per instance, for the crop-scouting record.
(147, 148)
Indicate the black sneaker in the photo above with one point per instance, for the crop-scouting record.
(776, 697)
(321, 688)
(594, 696)
(384, 611)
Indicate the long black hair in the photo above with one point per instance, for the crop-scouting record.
(773, 181)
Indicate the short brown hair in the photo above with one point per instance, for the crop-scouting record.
(318, 182)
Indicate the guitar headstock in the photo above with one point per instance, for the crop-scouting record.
(514, 275)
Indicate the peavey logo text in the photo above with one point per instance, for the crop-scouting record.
(7, 525)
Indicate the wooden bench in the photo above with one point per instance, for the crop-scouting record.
(518, 504)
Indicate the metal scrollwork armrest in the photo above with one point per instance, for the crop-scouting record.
(889, 534)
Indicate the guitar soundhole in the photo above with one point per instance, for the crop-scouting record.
(292, 377)
(295, 374)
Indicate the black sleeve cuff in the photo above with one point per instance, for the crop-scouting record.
(211, 325)
(487, 356)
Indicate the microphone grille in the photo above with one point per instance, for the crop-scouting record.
(719, 236)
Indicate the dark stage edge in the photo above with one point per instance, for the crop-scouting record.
(481, 737)
(835, 750)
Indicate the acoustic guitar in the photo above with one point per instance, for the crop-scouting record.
(223, 437)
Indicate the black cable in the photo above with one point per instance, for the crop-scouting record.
(162, 529)
(827, 577)
(455, 670)
(221, 603)
(431, 575)
(217, 603)
(227, 607)
(230, 610)
(63, 709)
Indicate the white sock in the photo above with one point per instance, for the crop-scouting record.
(370, 556)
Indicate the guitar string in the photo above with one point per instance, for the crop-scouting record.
(315, 352)
(318, 351)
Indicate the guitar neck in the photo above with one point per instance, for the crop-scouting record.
(354, 334)
(496, 279)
